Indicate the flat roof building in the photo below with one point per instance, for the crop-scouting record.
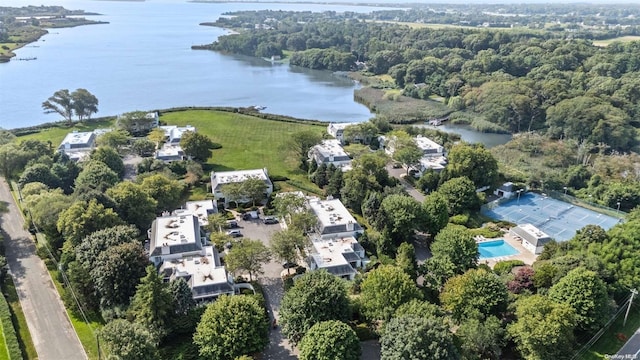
(170, 152)
(78, 145)
(330, 152)
(533, 239)
(204, 272)
(334, 220)
(337, 130)
(340, 257)
(201, 209)
(429, 147)
(221, 178)
(174, 236)
(174, 133)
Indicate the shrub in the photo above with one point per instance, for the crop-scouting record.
(460, 219)
(10, 338)
(503, 267)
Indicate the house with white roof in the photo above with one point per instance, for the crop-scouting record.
(179, 248)
(221, 178)
(201, 209)
(330, 152)
(337, 130)
(204, 272)
(340, 256)
(78, 145)
(533, 239)
(175, 236)
(170, 152)
(429, 147)
(334, 220)
(173, 133)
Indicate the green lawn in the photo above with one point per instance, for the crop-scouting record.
(604, 43)
(18, 319)
(4, 353)
(247, 142)
(611, 341)
(57, 133)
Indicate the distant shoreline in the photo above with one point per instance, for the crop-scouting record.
(298, 2)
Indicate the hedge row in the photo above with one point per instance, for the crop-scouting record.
(10, 338)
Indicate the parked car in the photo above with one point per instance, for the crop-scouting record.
(270, 220)
(232, 224)
(246, 216)
(234, 233)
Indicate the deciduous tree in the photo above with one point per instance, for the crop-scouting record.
(249, 256)
(544, 329)
(417, 338)
(476, 292)
(133, 204)
(116, 139)
(110, 157)
(384, 289)
(84, 103)
(197, 146)
(165, 191)
(587, 294)
(135, 122)
(96, 175)
(300, 143)
(82, 219)
(455, 243)
(117, 272)
(128, 341)
(230, 327)
(94, 244)
(289, 245)
(437, 212)
(61, 103)
(460, 194)
(315, 297)
(330, 340)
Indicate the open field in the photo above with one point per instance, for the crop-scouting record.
(247, 142)
(56, 133)
(604, 43)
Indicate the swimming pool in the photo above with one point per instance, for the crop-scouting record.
(496, 248)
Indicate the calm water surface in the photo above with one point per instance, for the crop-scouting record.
(143, 60)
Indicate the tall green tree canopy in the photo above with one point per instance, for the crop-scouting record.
(117, 272)
(128, 341)
(330, 340)
(384, 290)
(300, 143)
(82, 219)
(456, 244)
(61, 103)
(92, 245)
(461, 195)
(84, 103)
(587, 294)
(419, 338)
(473, 161)
(165, 191)
(402, 215)
(133, 203)
(249, 256)
(110, 157)
(544, 329)
(196, 145)
(151, 304)
(315, 297)
(289, 245)
(230, 327)
(476, 292)
(96, 175)
(437, 212)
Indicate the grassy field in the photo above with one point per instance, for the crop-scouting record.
(604, 43)
(57, 133)
(612, 340)
(4, 353)
(18, 319)
(247, 142)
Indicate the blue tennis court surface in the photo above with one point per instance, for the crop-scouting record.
(558, 219)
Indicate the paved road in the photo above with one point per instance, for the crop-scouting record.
(49, 325)
(631, 349)
(399, 174)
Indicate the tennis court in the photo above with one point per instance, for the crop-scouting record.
(558, 219)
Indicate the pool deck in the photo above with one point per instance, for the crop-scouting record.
(524, 254)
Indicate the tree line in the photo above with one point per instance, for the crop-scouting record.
(519, 81)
